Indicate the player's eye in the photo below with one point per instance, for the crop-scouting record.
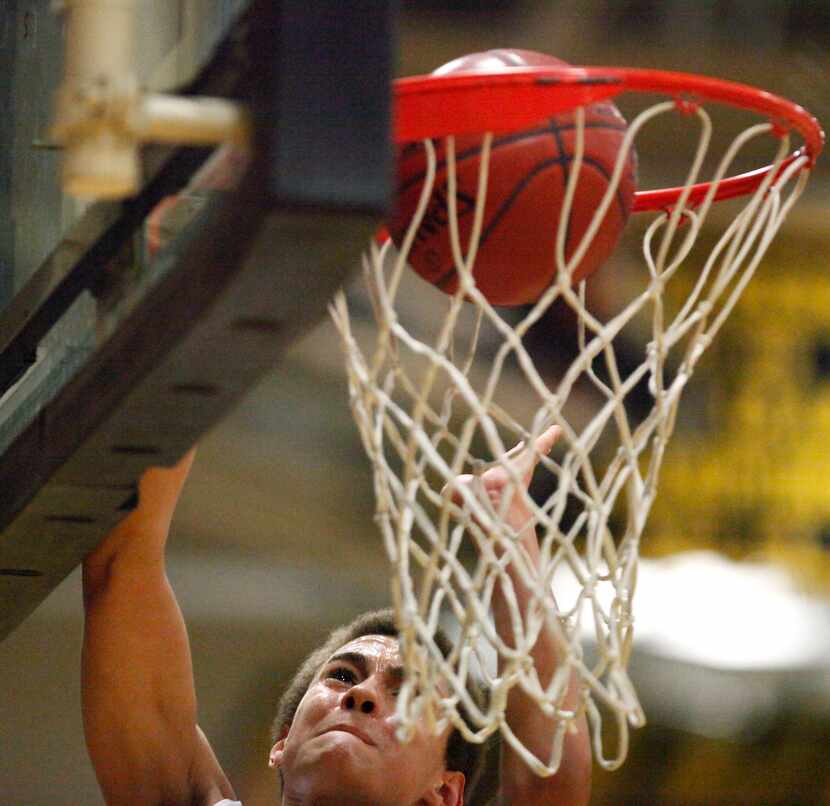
(342, 674)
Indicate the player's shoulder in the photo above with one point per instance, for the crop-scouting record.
(227, 802)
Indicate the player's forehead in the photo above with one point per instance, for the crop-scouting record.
(379, 652)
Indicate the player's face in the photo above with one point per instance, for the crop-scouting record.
(341, 747)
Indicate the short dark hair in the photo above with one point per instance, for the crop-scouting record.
(462, 756)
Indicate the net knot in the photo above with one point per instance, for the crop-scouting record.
(653, 356)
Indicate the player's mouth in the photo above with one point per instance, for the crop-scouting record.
(354, 731)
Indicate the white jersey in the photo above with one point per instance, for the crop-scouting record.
(229, 803)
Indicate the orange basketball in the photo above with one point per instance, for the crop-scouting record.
(526, 187)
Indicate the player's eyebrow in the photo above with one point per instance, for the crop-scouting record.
(359, 661)
(356, 659)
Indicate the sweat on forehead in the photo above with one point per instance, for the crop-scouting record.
(369, 654)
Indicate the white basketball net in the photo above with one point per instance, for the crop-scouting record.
(430, 406)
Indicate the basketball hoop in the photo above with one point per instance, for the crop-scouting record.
(427, 412)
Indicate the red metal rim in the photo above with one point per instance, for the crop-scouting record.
(516, 97)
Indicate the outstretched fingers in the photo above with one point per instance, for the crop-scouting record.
(526, 459)
(520, 459)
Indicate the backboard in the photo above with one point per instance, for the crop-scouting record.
(110, 364)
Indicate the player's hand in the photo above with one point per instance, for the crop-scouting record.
(496, 481)
(158, 493)
(141, 536)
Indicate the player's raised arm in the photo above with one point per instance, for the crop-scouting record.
(139, 703)
(571, 785)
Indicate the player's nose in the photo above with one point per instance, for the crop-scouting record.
(363, 697)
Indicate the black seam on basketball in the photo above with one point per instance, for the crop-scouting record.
(502, 141)
(556, 131)
(520, 186)
(625, 209)
(504, 207)
(562, 160)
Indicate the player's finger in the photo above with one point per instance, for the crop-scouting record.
(548, 438)
(451, 489)
(542, 447)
